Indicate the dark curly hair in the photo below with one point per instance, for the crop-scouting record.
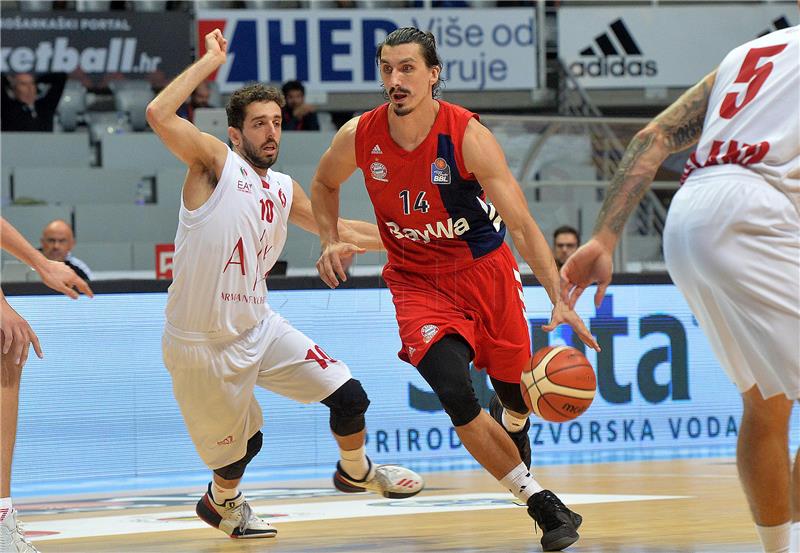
(239, 100)
(427, 43)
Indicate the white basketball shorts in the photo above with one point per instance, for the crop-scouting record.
(732, 246)
(213, 382)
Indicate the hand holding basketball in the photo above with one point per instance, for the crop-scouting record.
(559, 385)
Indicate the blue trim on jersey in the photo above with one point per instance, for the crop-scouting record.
(460, 199)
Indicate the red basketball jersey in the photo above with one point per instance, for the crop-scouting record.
(432, 214)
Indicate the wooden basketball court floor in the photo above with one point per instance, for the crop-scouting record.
(688, 505)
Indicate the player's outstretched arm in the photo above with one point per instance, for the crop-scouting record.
(54, 274)
(336, 165)
(363, 235)
(675, 129)
(485, 159)
(201, 152)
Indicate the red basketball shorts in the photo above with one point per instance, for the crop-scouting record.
(482, 303)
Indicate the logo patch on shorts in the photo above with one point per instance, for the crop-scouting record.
(411, 351)
(378, 171)
(227, 441)
(440, 171)
(428, 332)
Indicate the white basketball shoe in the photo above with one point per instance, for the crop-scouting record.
(12, 536)
(391, 481)
(234, 517)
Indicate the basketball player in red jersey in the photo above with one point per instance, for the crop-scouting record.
(443, 196)
(732, 246)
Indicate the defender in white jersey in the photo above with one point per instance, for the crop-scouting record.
(221, 338)
(732, 246)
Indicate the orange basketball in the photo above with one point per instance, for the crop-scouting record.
(560, 383)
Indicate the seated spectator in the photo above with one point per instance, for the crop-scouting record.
(24, 108)
(200, 98)
(565, 241)
(57, 243)
(297, 115)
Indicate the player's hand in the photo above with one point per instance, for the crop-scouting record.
(591, 263)
(216, 45)
(330, 261)
(564, 315)
(17, 336)
(61, 278)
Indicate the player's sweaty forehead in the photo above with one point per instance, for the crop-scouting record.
(402, 53)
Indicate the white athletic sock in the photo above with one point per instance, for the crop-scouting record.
(794, 540)
(512, 423)
(5, 507)
(220, 495)
(520, 482)
(774, 539)
(354, 462)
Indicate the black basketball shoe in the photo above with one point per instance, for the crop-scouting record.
(520, 439)
(559, 525)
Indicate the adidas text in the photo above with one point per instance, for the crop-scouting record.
(621, 67)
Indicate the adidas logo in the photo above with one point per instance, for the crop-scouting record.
(778, 24)
(492, 213)
(376, 150)
(611, 56)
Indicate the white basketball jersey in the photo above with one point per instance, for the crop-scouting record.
(224, 251)
(753, 117)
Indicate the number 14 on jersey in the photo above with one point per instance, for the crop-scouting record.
(420, 204)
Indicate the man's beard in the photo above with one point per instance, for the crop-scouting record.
(254, 158)
(399, 111)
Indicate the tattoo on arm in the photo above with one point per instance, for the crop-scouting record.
(624, 193)
(682, 122)
(675, 129)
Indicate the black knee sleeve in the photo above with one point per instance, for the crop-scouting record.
(348, 405)
(510, 396)
(446, 369)
(234, 471)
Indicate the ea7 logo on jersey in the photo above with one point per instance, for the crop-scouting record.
(440, 171)
(441, 229)
(244, 186)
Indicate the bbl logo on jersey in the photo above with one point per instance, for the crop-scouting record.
(440, 171)
(378, 171)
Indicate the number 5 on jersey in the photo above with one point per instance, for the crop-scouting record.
(754, 76)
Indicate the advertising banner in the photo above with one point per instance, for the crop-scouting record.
(98, 44)
(659, 46)
(334, 50)
(102, 387)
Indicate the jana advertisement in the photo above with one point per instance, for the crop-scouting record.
(97, 44)
(662, 46)
(334, 50)
(102, 387)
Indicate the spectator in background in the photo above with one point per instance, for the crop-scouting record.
(565, 241)
(200, 98)
(24, 108)
(57, 243)
(297, 115)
